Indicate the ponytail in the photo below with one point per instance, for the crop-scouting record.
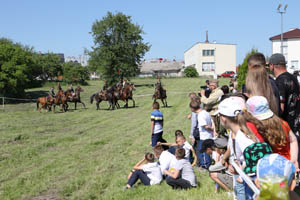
(241, 120)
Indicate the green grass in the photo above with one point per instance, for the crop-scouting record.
(87, 154)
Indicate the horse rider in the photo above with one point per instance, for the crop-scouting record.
(105, 86)
(59, 87)
(72, 91)
(51, 92)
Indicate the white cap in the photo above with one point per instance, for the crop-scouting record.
(231, 106)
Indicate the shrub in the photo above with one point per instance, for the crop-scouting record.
(190, 72)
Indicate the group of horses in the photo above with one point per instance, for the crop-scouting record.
(60, 99)
(112, 95)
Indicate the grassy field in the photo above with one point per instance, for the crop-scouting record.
(87, 154)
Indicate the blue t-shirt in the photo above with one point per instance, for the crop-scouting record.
(158, 119)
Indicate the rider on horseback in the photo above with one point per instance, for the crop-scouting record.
(105, 86)
(51, 92)
(72, 92)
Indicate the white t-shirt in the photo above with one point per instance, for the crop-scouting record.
(153, 172)
(204, 119)
(186, 171)
(187, 147)
(166, 160)
(242, 140)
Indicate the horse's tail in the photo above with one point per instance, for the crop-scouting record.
(92, 98)
(37, 104)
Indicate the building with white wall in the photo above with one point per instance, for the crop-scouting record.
(161, 67)
(211, 58)
(290, 47)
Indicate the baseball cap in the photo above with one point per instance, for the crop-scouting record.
(275, 166)
(220, 143)
(258, 106)
(231, 106)
(277, 59)
(209, 143)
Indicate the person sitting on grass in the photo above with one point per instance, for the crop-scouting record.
(181, 175)
(146, 170)
(181, 142)
(165, 158)
(157, 122)
(217, 172)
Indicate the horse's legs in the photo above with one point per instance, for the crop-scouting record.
(82, 104)
(75, 105)
(97, 104)
(166, 102)
(133, 103)
(163, 102)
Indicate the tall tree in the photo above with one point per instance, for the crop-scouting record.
(75, 73)
(118, 47)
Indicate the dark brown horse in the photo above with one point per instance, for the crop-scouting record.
(126, 94)
(104, 95)
(160, 93)
(75, 98)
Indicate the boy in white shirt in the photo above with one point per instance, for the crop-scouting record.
(166, 159)
(181, 175)
(205, 132)
(149, 173)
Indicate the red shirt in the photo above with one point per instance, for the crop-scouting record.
(284, 150)
(253, 128)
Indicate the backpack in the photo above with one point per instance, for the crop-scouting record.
(294, 113)
(196, 133)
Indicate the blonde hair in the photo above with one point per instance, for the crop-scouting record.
(258, 84)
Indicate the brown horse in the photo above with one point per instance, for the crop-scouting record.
(103, 95)
(60, 100)
(74, 98)
(46, 103)
(126, 94)
(160, 93)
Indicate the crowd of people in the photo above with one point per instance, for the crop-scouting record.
(247, 141)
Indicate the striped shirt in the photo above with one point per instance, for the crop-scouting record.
(158, 119)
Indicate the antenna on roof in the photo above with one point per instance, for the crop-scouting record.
(206, 41)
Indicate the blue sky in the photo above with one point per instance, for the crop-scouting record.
(171, 26)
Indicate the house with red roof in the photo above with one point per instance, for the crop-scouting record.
(290, 46)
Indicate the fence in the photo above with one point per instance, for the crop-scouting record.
(8, 100)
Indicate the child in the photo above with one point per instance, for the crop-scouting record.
(166, 159)
(205, 128)
(182, 175)
(157, 122)
(148, 173)
(181, 142)
(217, 171)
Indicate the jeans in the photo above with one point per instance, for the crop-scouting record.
(204, 159)
(248, 191)
(178, 183)
(157, 137)
(239, 189)
(138, 174)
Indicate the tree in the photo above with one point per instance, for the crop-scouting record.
(75, 73)
(190, 72)
(243, 69)
(17, 68)
(50, 65)
(118, 47)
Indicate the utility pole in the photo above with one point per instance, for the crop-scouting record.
(281, 12)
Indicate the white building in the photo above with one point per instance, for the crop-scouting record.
(290, 47)
(211, 58)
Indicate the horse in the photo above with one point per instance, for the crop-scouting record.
(125, 94)
(104, 95)
(160, 93)
(60, 99)
(74, 98)
(46, 103)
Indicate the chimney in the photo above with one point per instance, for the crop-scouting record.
(206, 41)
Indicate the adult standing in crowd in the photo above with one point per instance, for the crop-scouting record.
(288, 89)
(260, 83)
(211, 103)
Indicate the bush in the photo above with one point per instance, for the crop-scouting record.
(190, 72)
(243, 69)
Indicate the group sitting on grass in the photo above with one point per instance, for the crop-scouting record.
(246, 142)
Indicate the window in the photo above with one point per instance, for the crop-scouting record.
(208, 66)
(210, 52)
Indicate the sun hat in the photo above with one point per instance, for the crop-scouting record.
(258, 106)
(231, 106)
(275, 166)
(277, 59)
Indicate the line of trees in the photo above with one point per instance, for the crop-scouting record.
(21, 68)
